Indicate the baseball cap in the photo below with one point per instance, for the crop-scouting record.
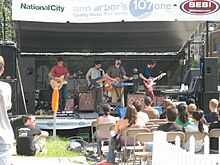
(147, 100)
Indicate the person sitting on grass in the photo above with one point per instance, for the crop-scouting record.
(30, 140)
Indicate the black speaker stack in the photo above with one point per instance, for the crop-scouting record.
(209, 73)
(11, 75)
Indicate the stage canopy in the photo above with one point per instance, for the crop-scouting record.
(108, 25)
(148, 37)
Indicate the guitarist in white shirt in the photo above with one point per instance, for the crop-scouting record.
(58, 75)
(146, 76)
(94, 78)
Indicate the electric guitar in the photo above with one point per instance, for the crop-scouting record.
(58, 82)
(111, 85)
(152, 81)
(94, 83)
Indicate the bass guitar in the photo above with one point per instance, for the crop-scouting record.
(94, 83)
(152, 81)
(58, 82)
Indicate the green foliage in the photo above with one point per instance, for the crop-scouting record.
(58, 148)
(9, 26)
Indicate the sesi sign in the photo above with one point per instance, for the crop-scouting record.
(199, 7)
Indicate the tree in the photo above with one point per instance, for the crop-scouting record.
(7, 27)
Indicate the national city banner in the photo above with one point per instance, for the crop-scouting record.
(95, 11)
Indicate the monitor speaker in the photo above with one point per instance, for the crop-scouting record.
(209, 67)
(9, 54)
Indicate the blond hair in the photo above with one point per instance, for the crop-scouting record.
(213, 103)
(2, 62)
(191, 108)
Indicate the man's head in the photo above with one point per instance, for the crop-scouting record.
(151, 64)
(147, 101)
(98, 64)
(117, 60)
(60, 61)
(171, 113)
(29, 120)
(213, 105)
(2, 64)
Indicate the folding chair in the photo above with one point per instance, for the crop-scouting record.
(215, 133)
(155, 121)
(129, 134)
(142, 138)
(197, 135)
(93, 125)
(171, 137)
(103, 133)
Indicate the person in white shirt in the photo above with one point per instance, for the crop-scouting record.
(140, 114)
(6, 133)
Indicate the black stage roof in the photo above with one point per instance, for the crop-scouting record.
(149, 37)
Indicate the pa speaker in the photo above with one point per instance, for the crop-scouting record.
(209, 67)
(9, 54)
(29, 101)
(206, 97)
(27, 70)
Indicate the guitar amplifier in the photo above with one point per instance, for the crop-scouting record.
(85, 101)
(69, 105)
(140, 97)
(136, 97)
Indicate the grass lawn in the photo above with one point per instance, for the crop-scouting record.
(58, 148)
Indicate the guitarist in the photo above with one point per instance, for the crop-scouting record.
(145, 75)
(114, 73)
(94, 78)
(56, 72)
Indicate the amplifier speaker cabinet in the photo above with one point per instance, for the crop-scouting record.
(140, 97)
(134, 97)
(69, 105)
(85, 101)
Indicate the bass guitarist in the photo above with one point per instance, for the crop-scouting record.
(117, 73)
(58, 76)
(94, 78)
(146, 76)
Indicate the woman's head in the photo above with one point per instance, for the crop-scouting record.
(137, 105)
(197, 116)
(131, 114)
(106, 109)
(183, 113)
(167, 103)
(191, 108)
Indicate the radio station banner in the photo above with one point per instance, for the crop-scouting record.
(95, 11)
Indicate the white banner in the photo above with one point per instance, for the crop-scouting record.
(94, 11)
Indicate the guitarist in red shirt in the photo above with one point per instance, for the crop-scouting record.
(58, 75)
(146, 76)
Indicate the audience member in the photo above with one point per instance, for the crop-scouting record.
(213, 115)
(105, 118)
(191, 108)
(140, 114)
(166, 103)
(30, 139)
(170, 126)
(150, 111)
(214, 142)
(197, 126)
(183, 118)
(6, 131)
(131, 121)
